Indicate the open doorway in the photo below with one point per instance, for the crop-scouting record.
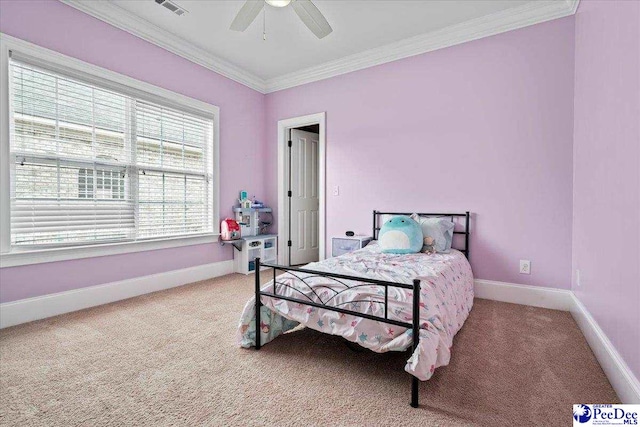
(301, 189)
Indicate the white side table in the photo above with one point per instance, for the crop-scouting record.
(341, 245)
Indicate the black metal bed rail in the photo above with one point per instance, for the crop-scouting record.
(338, 276)
(415, 287)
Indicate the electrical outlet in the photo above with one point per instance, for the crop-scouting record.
(578, 278)
(336, 190)
(525, 266)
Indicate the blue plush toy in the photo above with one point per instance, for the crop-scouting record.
(400, 235)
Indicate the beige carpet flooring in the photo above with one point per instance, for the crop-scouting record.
(170, 358)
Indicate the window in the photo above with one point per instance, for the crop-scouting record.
(101, 164)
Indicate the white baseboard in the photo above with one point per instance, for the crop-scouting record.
(620, 376)
(30, 309)
(622, 379)
(617, 371)
(536, 296)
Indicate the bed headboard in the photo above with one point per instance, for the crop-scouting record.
(454, 216)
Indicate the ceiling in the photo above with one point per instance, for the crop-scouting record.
(290, 46)
(365, 33)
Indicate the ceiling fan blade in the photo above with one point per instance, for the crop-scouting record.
(312, 17)
(250, 9)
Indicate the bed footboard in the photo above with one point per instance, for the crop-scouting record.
(340, 278)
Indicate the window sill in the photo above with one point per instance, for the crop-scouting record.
(26, 257)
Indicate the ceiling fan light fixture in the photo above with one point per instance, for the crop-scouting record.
(278, 3)
(308, 13)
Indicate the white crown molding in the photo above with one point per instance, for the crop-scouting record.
(496, 23)
(118, 17)
(573, 5)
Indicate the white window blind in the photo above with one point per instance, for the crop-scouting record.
(92, 165)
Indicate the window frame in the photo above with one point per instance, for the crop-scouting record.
(15, 256)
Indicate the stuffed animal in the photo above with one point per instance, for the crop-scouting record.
(429, 246)
(400, 235)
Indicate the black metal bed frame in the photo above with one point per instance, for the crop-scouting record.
(363, 281)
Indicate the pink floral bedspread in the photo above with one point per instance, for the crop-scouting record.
(446, 298)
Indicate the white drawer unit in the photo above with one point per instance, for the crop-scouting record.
(263, 246)
(341, 245)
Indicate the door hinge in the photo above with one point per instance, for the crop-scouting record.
(289, 243)
(290, 144)
(289, 193)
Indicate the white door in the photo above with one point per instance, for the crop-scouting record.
(303, 218)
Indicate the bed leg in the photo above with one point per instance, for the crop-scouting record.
(416, 338)
(258, 303)
(414, 391)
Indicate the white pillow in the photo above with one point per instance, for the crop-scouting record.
(440, 230)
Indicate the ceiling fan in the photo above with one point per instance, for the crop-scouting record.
(306, 11)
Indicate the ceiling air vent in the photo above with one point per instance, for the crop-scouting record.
(172, 7)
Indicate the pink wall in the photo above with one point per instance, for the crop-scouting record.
(484, 126)
(487, 126)
(606, 227)
(64, 29)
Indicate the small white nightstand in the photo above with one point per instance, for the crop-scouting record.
(341, 245)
